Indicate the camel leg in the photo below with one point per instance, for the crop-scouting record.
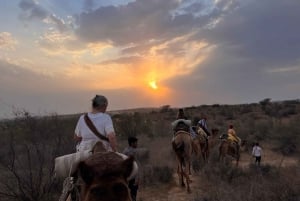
(237, 159)
(180, 174)
(187, 179)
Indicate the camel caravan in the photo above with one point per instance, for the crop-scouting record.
(102, 175)
(197, 140)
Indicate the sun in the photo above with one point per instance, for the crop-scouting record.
(153, 85)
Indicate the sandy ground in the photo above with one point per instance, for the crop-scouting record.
(170, 192)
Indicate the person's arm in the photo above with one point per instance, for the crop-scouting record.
(253, 150)
(205, 128)
(112, 141)
(77, 133)
(77, 138)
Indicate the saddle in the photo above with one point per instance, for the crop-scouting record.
(202, 134)
(181, 125)
(181, 132)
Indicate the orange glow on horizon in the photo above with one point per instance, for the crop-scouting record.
(153, 84)
(148, 74)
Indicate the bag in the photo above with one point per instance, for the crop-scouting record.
(66, 165)
(93, 128)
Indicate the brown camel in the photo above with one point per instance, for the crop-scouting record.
(182, 145)
(104, 177)
(213, 139)
(229, 148)
(200, 144)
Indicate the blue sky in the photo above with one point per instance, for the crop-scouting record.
(55, 55)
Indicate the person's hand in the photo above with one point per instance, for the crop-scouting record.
(77, 138)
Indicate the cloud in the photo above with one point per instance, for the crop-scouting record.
(248, 45)
(266, 31)
(139, 22)
(13, 76)
(89, 4)
(31, 10)
(124, 60)
(57, 43)
(7, 40)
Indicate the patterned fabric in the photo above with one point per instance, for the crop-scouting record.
(201, 133)
(193, 133)
(202, 123)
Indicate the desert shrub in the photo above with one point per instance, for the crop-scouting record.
(164, 108)
(132, 125)
(143, 155)
(156, 174)
(161, 128)
(285, 112)
(246, 109)
(266, 183)
(27, 155)
(262, 129)
(163, 174)
(287, 137)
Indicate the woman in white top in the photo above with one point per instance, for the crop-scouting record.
(85, 137)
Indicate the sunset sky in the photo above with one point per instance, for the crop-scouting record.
(55, 55)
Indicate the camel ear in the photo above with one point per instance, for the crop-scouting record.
(127, 166)
(85, 172)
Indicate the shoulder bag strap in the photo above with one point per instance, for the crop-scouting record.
(93, 128)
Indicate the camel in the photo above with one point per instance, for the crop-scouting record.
(229, 148)
(213, 139)
(102, 176)
(182, 145)
(200, 144)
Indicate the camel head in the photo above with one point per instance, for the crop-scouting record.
(104, 177)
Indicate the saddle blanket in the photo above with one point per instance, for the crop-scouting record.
(66, 165)
(234, 139)
(186, 122)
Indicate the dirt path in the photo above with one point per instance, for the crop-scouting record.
(174, 192)
(171, 192)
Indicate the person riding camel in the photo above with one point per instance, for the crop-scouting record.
(202, 123)
(233, 136)
(203, 128)
(182, 123)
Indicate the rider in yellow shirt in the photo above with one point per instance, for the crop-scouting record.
(232, 135)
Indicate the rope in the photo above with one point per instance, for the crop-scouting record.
(68, 186)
